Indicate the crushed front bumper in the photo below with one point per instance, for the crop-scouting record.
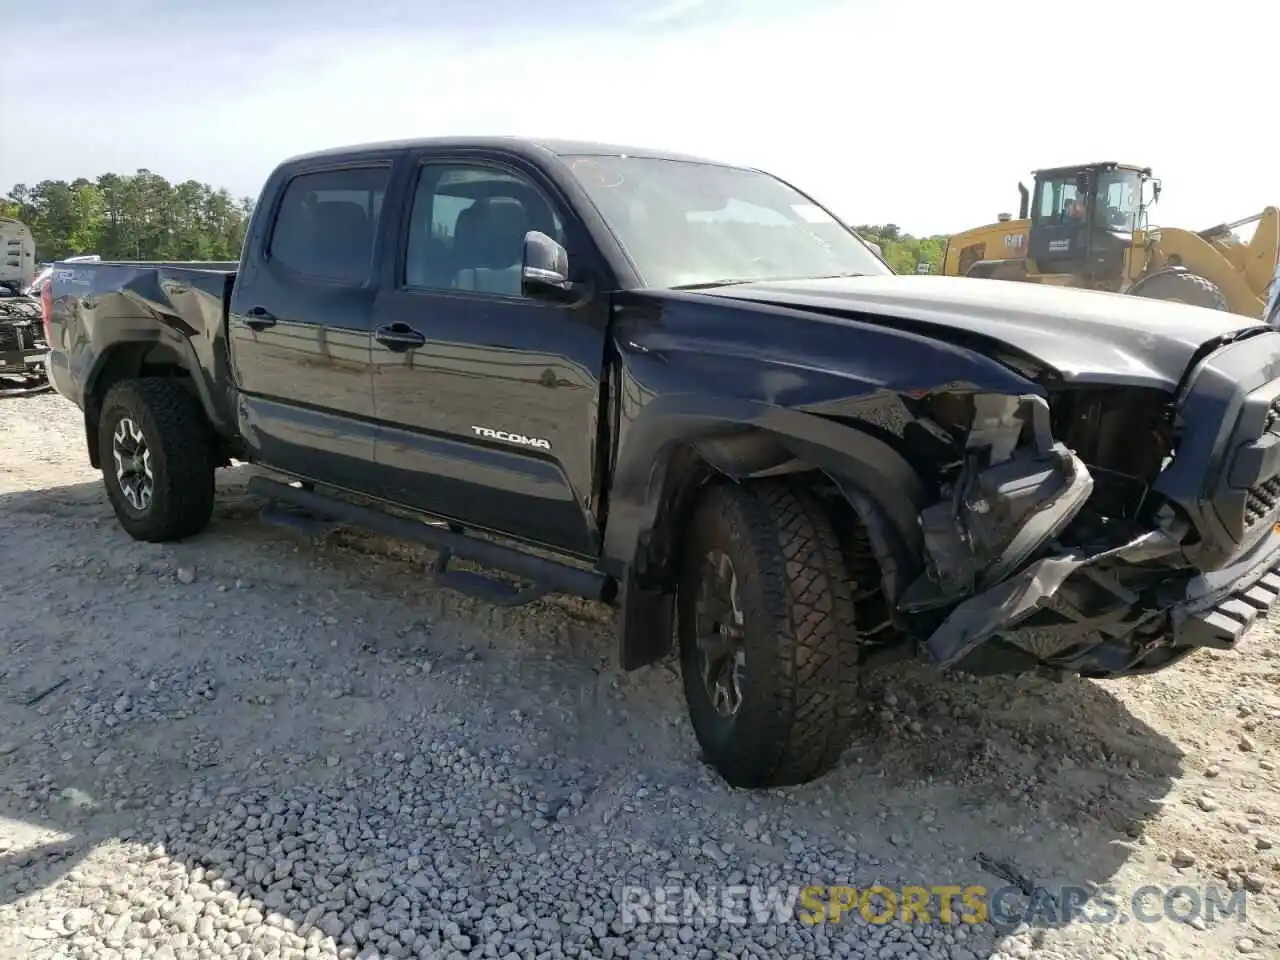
(1212, 609)
(1220, 607)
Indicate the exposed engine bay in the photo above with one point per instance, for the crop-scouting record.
(1049, 545)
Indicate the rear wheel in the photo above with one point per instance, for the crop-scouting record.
(768, 644)
(157, 459)
(1189, 288)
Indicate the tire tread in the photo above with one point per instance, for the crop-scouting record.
(182, 457)
(807, 610)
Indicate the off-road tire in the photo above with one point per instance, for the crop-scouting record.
(800, 689)
(1187, 288)
(182, 458)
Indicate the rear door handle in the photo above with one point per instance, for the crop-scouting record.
(258, 318)
(399, 337)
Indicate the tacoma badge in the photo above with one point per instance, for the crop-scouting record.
(512, 438)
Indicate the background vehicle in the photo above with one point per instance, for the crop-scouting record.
(1087, 226)
(22, 347)
(17, 255)
(712, 405)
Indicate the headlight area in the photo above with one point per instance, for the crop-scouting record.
(1047, 547)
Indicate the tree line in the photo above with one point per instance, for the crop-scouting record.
(142, 216)
(138, 216)
(901, 250)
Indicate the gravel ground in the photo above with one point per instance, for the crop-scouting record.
(255, 745)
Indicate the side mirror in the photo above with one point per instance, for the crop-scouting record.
(876, 248)
(544, 272)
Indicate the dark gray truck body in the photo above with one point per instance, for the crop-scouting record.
(1031, 478)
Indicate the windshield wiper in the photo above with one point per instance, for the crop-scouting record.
(731, 281)
(728, 282)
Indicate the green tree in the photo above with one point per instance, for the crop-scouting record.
(138, 216)
(902, 251)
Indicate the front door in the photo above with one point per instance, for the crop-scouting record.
(1060, 218)
(487, 400)
(299, 328)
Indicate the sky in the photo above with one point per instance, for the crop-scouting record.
(923, 113)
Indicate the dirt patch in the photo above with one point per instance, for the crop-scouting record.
(257, 745)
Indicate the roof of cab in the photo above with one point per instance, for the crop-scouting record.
(524, 146)
(1100, 164)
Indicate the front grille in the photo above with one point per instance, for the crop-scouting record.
(1226, 475)
(1272, 422)
(1260, 501)
(10, 339)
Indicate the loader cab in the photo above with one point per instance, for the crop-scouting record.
(1083, 219)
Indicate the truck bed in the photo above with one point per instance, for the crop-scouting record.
(103, 304)
(192, 296)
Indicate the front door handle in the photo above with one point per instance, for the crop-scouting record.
(399, 337)
(258, 318)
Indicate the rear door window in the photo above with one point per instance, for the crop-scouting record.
(327, 224)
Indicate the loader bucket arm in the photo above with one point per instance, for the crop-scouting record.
(1201, 257)
(1263, 252)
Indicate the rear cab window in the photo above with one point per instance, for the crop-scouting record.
(326, 224)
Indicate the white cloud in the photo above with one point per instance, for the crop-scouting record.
(925, 114)
(672, 10)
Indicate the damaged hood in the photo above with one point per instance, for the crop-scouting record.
(1087, 336)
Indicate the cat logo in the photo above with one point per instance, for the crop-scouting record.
(1014, 241)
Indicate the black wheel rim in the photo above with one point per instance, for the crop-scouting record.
(133, 464)
(718, 627)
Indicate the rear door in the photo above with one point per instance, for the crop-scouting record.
(300, 323)
(488, 400)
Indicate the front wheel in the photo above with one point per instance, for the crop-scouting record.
(768, 644)
(157, 459)
(1188, 288)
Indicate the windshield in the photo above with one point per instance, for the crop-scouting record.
(1119, 197)
(1117, 200)
(685, 224)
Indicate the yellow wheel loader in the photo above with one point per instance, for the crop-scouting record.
(1086, 226)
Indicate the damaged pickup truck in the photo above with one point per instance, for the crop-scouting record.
(687, 389)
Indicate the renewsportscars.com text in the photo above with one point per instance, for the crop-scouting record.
(742, 905)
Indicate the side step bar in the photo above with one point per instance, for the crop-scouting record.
(544, 576)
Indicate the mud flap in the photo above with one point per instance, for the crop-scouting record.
(1006, 605)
